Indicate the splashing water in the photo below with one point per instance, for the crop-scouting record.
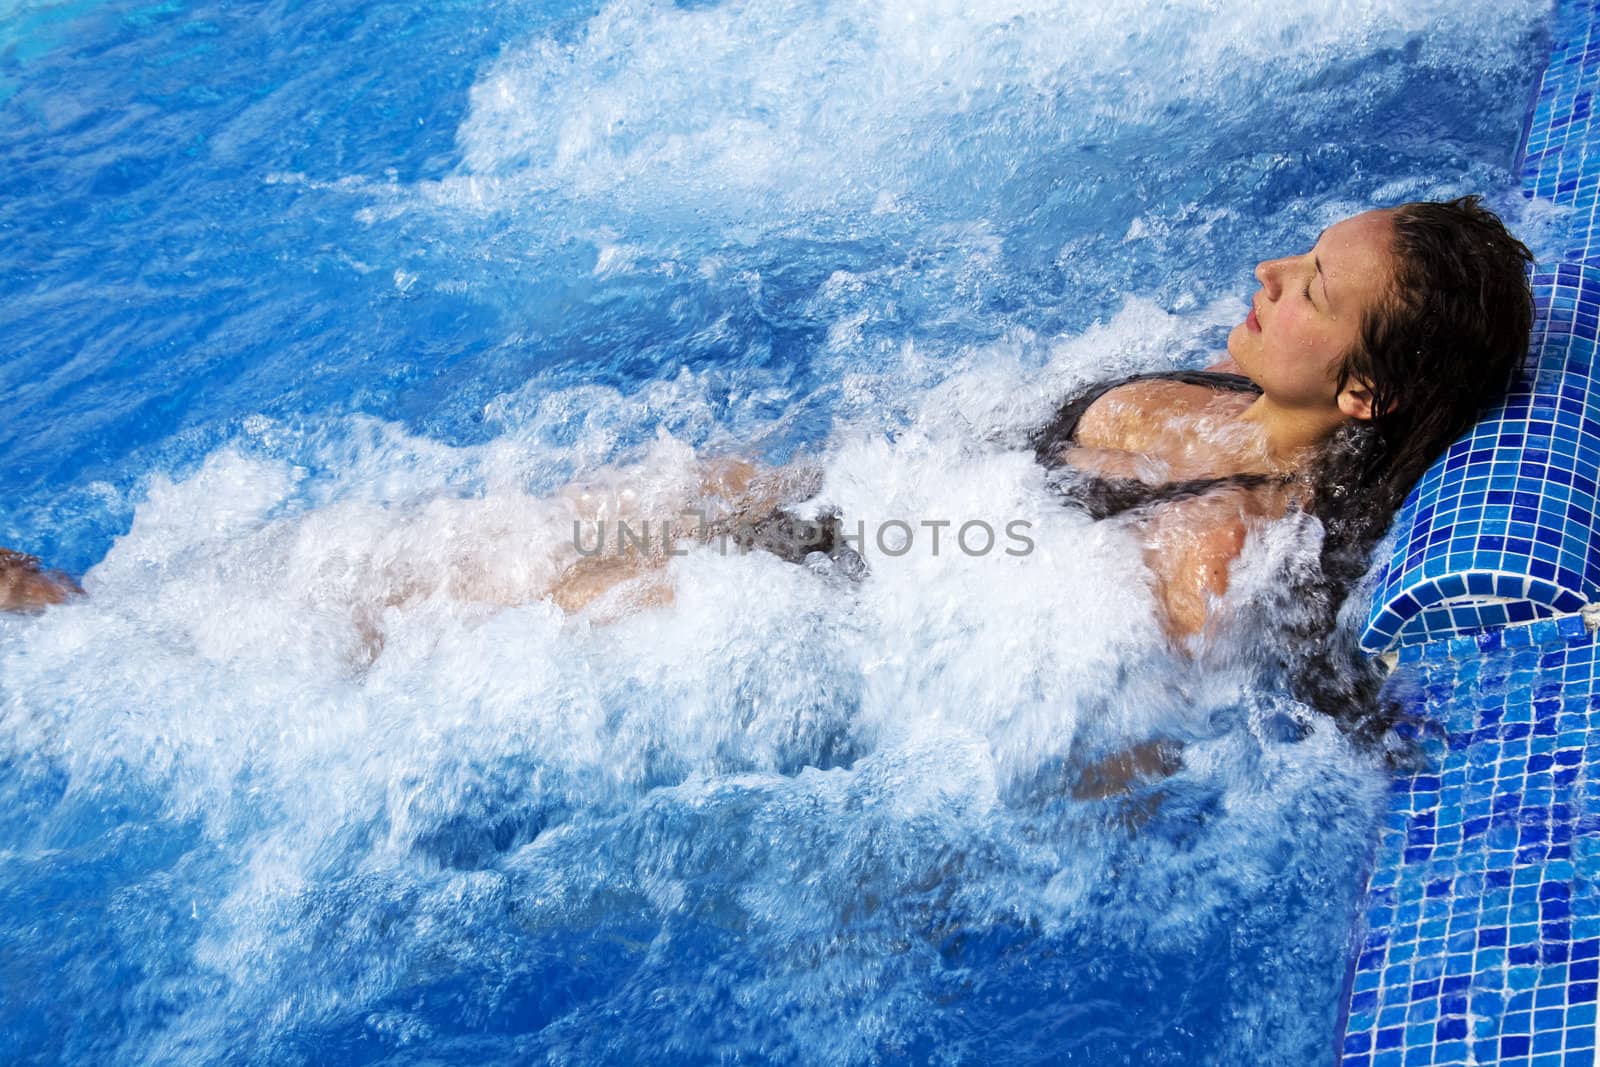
(316, 312)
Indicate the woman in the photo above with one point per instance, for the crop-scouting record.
(1357, 364)
(1360, 360)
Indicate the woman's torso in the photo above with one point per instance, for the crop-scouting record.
(1154, 440)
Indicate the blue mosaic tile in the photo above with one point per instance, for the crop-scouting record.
(1503, 529)
(1560, 158)
(1480, 934)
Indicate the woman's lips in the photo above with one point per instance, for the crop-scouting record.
(1251, 321)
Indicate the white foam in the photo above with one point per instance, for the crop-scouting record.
(848, 104)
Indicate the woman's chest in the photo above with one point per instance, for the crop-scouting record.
(1188, 431)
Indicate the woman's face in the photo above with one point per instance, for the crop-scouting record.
(1309, 311)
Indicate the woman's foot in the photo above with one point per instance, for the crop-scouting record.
(24, 587)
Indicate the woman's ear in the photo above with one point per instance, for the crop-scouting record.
(1355, 400)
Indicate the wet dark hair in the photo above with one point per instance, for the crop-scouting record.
(1440, 347)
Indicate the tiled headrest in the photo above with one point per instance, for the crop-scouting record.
(1504, 527)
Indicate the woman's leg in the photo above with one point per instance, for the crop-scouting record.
(594, 577)
(732, 503)
(730, 492)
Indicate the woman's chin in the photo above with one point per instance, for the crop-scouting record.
(1236, 337)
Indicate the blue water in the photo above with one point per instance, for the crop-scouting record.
(310, 311)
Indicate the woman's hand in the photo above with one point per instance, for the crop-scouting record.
(24, 587)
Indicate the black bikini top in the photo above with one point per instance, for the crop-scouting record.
(1104, 497)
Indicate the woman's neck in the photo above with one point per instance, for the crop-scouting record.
(1291, 436)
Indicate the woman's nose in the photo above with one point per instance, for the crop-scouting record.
(1270, 274)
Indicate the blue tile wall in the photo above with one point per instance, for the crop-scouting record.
(1479, 941)
(1502, 530)
(1560, 157)
(1480, 938)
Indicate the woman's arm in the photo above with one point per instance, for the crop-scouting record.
(1191, 572)
(1190, 548)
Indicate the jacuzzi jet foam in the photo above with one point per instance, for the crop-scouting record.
(860, 105)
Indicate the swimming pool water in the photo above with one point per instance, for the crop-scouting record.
(309, 307)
